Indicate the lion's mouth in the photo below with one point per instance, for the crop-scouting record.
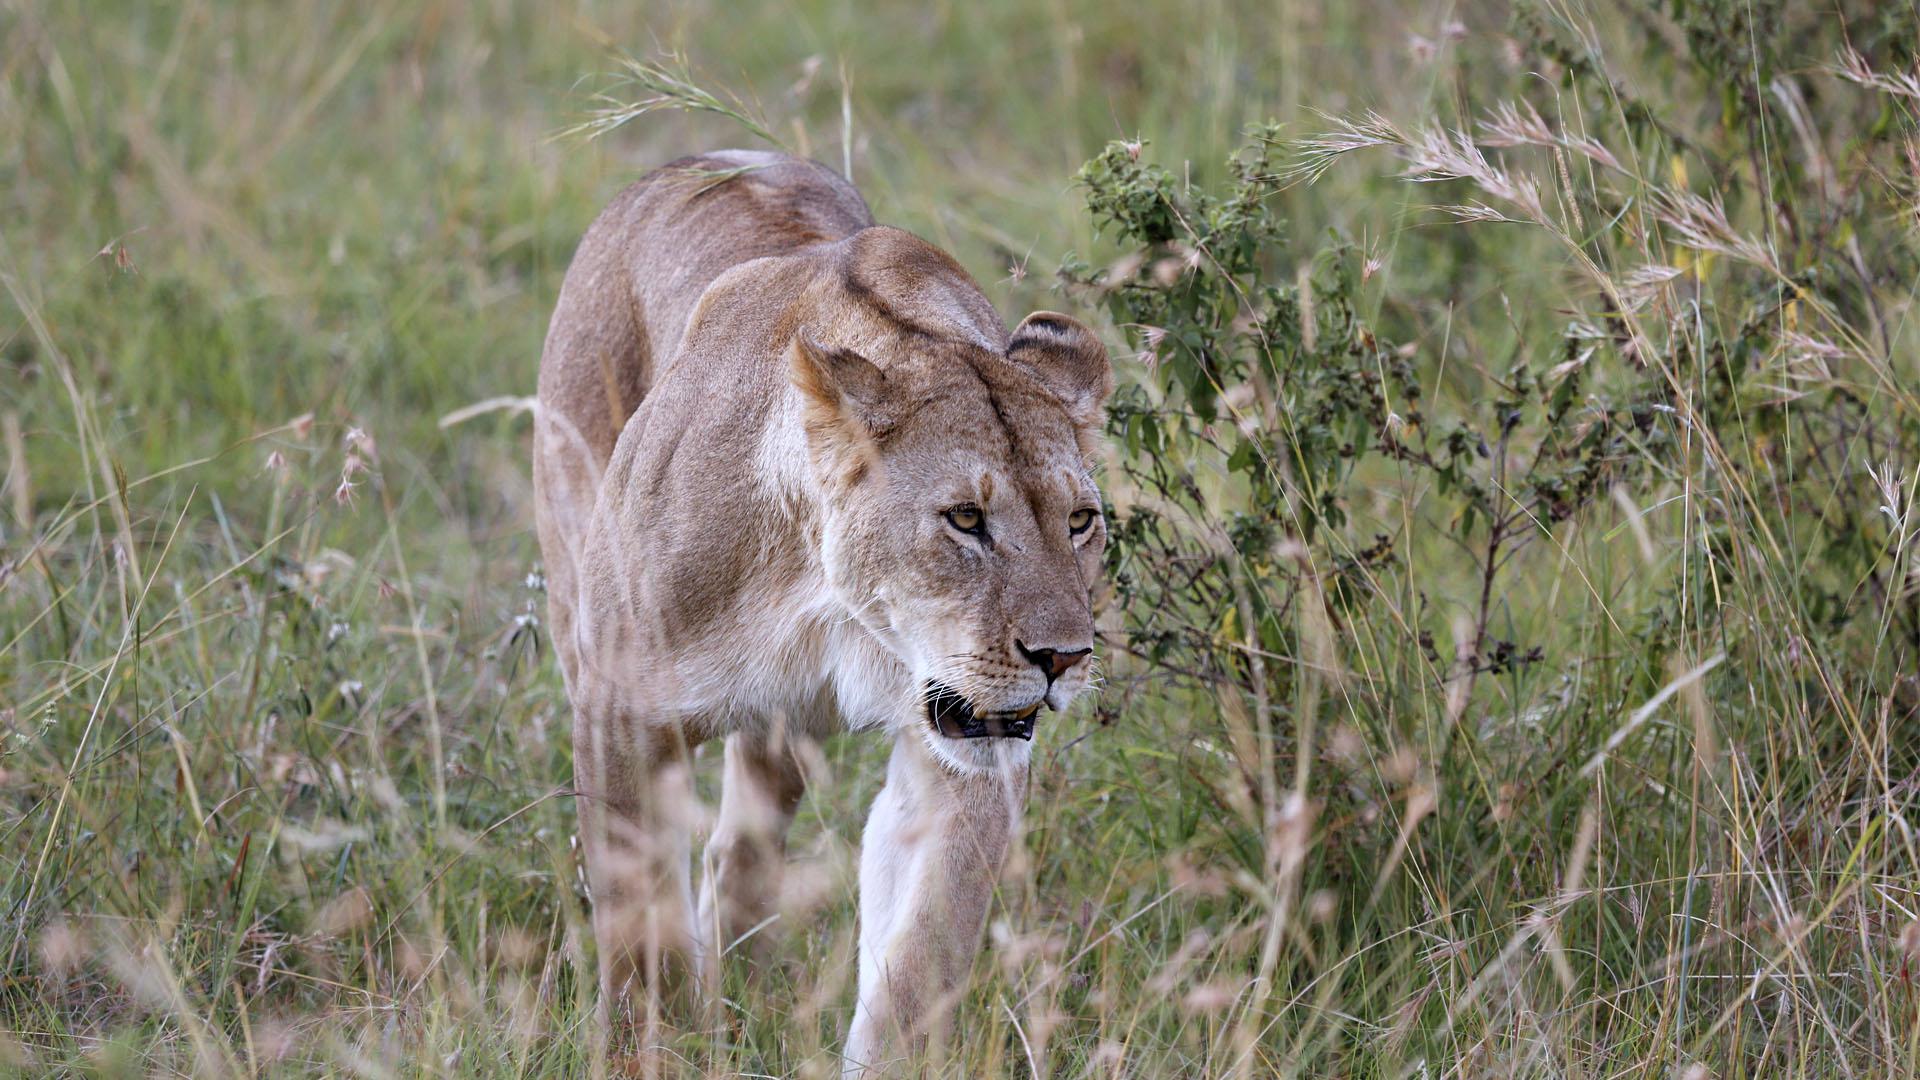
(953, 716)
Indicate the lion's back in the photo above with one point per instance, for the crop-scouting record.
(644, 262)
(634, 281)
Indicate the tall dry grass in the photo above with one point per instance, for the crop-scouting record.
(1591, 782)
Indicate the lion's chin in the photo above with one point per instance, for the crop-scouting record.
(953, 716)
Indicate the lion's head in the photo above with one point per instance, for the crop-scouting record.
(962, 524)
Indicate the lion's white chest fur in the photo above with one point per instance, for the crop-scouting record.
(808, 662)
(799, 653)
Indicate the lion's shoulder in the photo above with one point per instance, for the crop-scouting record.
(912, 287)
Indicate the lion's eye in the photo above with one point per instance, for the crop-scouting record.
(1080, 521)
(968, 519)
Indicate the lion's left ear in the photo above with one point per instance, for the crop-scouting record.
(1068, 359)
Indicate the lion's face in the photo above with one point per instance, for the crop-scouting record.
(978, 548)
(963, 526)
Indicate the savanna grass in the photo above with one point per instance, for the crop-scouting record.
(1579, 775)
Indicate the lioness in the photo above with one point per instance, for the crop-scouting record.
(794, 477)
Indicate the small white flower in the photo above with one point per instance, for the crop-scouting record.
(1891, 485)
(1899, 510)
(359, 440)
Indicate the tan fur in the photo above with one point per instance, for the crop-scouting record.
(756, 409)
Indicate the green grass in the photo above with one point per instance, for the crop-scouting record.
(282, 762)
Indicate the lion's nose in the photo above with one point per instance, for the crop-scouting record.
(1054, 662)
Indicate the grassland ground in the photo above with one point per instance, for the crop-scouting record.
(1628, 792)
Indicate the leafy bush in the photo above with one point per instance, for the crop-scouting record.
(1311, 494)
(1273, 400)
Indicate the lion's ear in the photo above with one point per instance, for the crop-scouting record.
(838, 379)
(1068, 359)
(845, 395)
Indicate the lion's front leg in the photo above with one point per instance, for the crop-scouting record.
(634, 778)
(932, 849)
(746, 857)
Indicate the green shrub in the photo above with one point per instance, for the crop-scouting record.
(1312, 496)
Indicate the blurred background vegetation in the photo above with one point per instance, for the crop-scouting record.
(1512, 627)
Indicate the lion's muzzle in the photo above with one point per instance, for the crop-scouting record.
(953, 716)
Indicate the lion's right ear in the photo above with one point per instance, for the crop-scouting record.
(845, 398)
(1069, 360)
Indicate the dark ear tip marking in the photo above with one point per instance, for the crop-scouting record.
(1046, 322)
